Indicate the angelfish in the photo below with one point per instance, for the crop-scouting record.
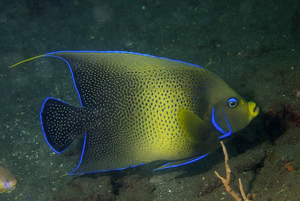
(8, 181)
(138, 108)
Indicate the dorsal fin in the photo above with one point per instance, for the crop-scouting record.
(26, 60)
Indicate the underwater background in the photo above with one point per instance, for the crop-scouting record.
(253, 45)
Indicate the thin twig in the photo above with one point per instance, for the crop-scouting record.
(242, 190)
(227, 180)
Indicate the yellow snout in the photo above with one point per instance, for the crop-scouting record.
(253, 110)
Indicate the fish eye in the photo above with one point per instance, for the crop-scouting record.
(232, 103)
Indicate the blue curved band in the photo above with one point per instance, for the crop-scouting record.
(213, 121)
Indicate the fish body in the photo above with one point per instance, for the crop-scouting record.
(139, 108)
(8, 181)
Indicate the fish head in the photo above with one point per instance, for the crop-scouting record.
(10, 184)
(8, 181)
(230, 112)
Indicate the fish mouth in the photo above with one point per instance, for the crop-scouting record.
(253, 110)
(11, 185)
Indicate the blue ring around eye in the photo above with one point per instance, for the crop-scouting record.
(232, 100)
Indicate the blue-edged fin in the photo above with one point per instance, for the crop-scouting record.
(180, 162)
(60, 123)
(192, 125)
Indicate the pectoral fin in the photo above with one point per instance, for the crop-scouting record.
(192, 126)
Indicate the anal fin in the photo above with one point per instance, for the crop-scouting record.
(180, 162)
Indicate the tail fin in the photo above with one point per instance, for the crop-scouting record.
(60, 123)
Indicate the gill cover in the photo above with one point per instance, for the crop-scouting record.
(234, 117)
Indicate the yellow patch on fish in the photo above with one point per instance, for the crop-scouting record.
(8, 181)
